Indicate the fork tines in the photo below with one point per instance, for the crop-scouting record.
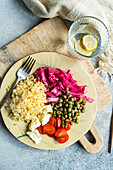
(28, 64)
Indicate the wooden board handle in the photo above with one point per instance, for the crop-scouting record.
(92, 147)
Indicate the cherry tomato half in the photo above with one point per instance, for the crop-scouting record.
(49, 129)
(52, 121)
(68, 126)
(58, 122)
(63, 139)
(61, 132)
(40, 129)
(52, 136)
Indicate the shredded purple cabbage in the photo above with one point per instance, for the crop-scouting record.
(56, 81)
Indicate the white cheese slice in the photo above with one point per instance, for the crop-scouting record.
(49, 108)
(34, 124)
(45, 119)
(35, 136)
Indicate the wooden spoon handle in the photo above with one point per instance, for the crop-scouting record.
(92, 147)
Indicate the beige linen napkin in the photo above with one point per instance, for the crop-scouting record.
(73, 9)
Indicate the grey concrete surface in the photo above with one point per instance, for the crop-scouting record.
(16, 19)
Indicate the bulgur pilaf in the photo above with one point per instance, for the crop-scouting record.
(27, 99)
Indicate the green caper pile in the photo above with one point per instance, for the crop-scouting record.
(68, 109)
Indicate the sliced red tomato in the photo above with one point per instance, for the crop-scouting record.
(40, 129)
(49, 129)
(52, 121)
(63, 139)
(61, 132)
(68, 126)
(58, 122)
(52, 136)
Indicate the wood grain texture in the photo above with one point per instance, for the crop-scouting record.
(51, 35)
(92, 147)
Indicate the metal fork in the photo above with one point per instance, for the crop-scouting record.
(21, 73)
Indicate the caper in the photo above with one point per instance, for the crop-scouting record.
(65, 124)
(60, 100)
(70, 95)
(69, 114)
(69, 109)
(83, 101)
(78, 114)
(75, 110)
(83, 110)
(79, 100)
(72, 99)
(55, 108)
(65, 113)
(79, 111)
(70, 118)
(65, 110)
(54, 112)
(58, 112)
(66, 105)
(60, 94)
(62, 113)
(72, 113)
(77, 104)
(61, 109)
(84, 107)
(69, 102)
(77, 118)
(52, 104)
(60, 104)
(63, 118)
(66, 100)
(62, 121)
(77, 121)
(67, 94)
(52, 107)
(62, 125)
(67, 120)
(66, 116)
(70, 105)
(67, 88)
(65, 97)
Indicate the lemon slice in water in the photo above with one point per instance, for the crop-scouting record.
(79, 48)
(89, 42)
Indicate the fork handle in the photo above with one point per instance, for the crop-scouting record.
(8, 93)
